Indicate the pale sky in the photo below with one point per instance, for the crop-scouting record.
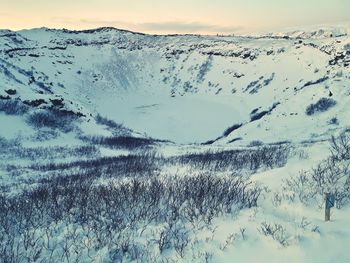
(179, 16)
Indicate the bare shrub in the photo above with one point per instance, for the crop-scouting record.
(330, 176)
(54, 119)
(321, 105)
(93, 216)
(119, 129)
(269, 156)
(276, 231)
(14, 150)
(255, 143)
(13, 107)
(124, 142)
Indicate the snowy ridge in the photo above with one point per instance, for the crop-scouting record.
(230, 76)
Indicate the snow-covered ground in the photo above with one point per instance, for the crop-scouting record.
(190, 106)
(195, 85)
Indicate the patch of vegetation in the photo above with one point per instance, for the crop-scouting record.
(120, 208)
(53, 119)
(204, 69)
(75, 220)
(17, 151)
(276, 231)
(116, 127)
(321, 105)
(13, 107)
(330, 176)
(123, 142)
(144, 164)
(235, 160)
(255, 143)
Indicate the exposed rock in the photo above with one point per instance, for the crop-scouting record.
(70, 112)
(229, 130)
(57, 102)
(11, 91)
(318, 81)
(256, 115)
(34, 103)
(4, 97)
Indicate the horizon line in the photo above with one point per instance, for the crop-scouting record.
(98, 28)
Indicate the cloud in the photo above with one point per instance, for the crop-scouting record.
(162, 27)
(105, 22)
(188, 27)
(68, 20)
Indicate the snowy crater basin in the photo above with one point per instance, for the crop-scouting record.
(190, 119)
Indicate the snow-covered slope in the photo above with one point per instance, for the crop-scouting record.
(186, 88)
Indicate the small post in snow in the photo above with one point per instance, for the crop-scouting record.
(330, 199)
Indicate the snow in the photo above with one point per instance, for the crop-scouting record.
(305, 246)
(130, 71)
(188, 90)
(13, 127)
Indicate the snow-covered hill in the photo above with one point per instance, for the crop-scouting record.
(186, 88)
